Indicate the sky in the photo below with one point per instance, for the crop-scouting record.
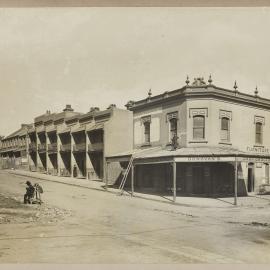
(92, 57)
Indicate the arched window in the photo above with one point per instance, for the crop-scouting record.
(259, 133)
(198, 127)
(225, 129)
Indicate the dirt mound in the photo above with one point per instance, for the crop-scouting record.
(14, 211)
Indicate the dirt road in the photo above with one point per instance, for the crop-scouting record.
(79, 225)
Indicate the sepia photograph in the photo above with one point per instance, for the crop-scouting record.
(134, 135)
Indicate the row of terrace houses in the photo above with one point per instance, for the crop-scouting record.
(199, 139)
(69, 143)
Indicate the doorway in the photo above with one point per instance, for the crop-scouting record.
(198, 180)
(250, 184)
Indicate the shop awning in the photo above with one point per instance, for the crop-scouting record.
(189, 154)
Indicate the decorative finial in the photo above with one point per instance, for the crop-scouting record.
(187, 80)
(210, 79)
(149, 93)
(235, 86)
(256, 91)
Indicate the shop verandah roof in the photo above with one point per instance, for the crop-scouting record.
(189, 154)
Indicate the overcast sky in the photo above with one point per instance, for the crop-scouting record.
(88, 57)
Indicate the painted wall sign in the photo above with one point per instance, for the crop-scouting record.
(254, 159)
(204, 159)
(257, 149)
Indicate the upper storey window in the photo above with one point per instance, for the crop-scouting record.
(259, 122)
(258, 133)
(146, 123)
(172, 119)
(198, 116)
(198, 127)
(147, 132)
(225, 129)
(173, 128)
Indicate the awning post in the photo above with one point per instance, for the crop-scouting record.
(106, 175)
(174, 181)
(132, 179)
(235, 181)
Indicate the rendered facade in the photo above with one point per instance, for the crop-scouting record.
(199, 140)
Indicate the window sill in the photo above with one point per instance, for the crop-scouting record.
(198, 141)
(226, 143)
(146, 144)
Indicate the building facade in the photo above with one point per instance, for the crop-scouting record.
(199, 140)
(14, 149)
(71, 143)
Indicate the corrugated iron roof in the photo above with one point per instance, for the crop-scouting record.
(17, 133)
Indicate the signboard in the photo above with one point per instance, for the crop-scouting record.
(258, 149)
(254, 159)
(204, 159)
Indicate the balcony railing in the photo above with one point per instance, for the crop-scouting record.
(65, 147)
(79, 147)
(22, 146)
(32, 146)
(42, 147)
(52, 147)
(52, 171)
(64, 172)
(92, 147)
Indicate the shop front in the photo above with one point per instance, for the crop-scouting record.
(201, 171)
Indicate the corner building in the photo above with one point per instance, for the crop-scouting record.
(199, 140)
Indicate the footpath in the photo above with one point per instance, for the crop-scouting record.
(253, 201)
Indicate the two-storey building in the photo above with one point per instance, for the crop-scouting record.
(14, 149)
(198, 140)
(71, 143)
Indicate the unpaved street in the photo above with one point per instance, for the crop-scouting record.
(80, 225)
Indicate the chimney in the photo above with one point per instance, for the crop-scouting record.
(68, 108)
(111, 106)
(94, 109)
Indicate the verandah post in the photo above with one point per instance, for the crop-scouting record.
(235, 181)
(132, 179)
(106, 174)
(174, 181)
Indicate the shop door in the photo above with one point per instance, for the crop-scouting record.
(198, 180)
(250, 183)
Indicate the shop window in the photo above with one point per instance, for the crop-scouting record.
(198, 127)
(225, 129)
(258, 133)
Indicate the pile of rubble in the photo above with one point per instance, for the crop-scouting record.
(14, 211)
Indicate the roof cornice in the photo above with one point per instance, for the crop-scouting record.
(208, 91)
